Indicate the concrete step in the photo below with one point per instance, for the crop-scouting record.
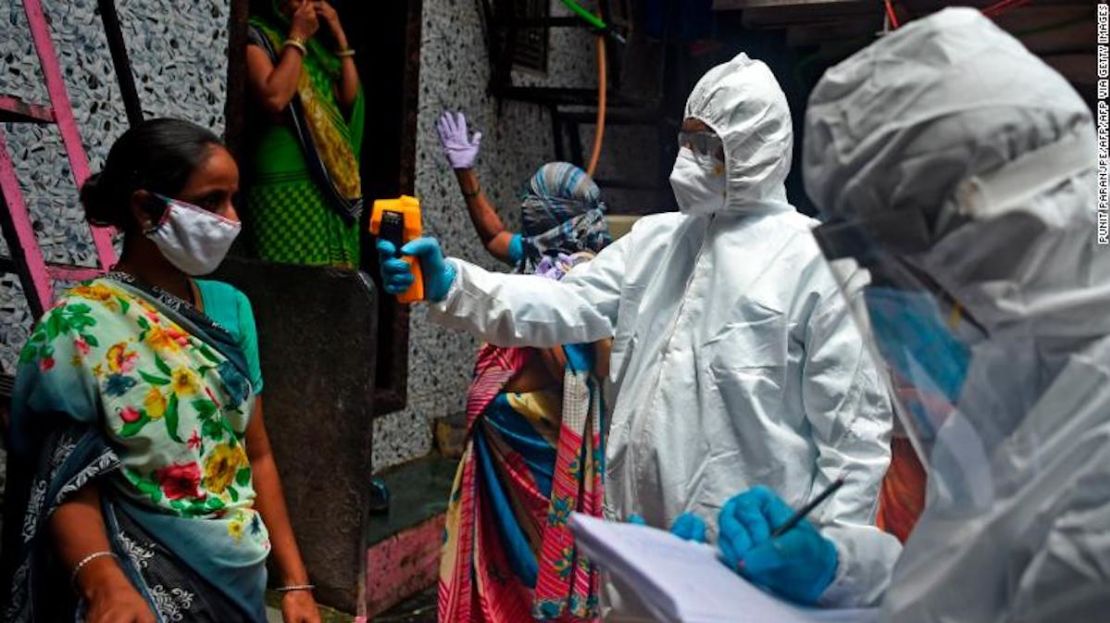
(402, 558)
(420, 608)
(327, 615)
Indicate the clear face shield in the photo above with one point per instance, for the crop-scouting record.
(922, 337)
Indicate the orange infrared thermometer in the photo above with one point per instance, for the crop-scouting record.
(398, 221)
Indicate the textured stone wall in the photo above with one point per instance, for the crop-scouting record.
(179, 59)
(178, 54)
(517, 138)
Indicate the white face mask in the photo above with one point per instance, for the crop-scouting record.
(191, 238)
(698, 183)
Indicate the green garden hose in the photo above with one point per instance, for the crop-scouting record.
(592, 19)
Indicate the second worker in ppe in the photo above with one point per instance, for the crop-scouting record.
(968, 166)
(735, 360)
(960, 171)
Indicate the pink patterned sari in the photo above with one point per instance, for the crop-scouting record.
(531, 459)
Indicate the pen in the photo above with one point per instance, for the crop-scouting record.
(807, 509)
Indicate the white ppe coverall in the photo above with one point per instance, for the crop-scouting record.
(735, 359)
(951, 123)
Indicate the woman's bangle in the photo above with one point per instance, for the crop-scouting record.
(345, 53)
(296, 44)
(85, 562)
(295, 588)
(477, 191)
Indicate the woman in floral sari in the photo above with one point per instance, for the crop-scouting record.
(534, 448)
(138, 448)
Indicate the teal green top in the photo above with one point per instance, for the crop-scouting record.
(231, 309)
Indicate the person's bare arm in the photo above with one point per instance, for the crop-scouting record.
(297, 606)
(348, 83)
(555, 360)
(347, 88)
(490, 229)
(275, 86)
(602, 354)
(78, 531)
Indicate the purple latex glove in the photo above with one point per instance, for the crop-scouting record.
(459, 146)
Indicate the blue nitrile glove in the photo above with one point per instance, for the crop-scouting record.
(690, 527)
(397, 275)
(798, 565)
(637, 520)
(516, 249)
(580, 357)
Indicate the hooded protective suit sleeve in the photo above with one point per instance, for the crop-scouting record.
(525, 310)
(849, 414)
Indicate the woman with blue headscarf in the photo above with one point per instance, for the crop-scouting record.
(561, 212)
(534, 441)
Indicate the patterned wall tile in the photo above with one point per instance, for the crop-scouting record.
(454, 73)
(179, 58)
(178, 53)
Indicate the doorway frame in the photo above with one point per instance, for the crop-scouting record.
(391, 387)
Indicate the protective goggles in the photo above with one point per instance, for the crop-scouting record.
(703, 144)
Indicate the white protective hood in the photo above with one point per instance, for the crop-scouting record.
(742, 102)
(953, 119)
(900, 125)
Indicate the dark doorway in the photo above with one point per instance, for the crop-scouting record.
(386, 37)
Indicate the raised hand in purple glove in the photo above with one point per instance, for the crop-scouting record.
(459, 146)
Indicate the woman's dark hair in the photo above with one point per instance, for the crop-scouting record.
(158, 155)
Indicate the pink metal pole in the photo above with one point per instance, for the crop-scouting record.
(24, 232)
(63, 114)
(72, 273)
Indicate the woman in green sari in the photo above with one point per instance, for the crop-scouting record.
(139, 464)
(305, 194)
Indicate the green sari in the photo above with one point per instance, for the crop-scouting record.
(305, 197)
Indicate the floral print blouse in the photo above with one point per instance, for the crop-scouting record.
(174, 407)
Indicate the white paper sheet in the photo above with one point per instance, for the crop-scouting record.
(683, 581)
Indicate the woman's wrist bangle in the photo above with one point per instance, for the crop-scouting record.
(293, 588)
(85, 562)
(472, 194)
(296, 44)
(345, 53)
